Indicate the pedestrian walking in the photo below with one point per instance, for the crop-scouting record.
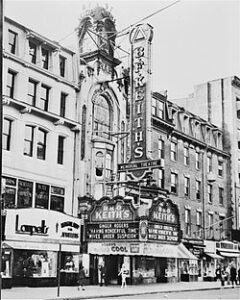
(222, 276)
(218, 273)
(233, 275)
(123, 273)
(227, 271)
(81, 277)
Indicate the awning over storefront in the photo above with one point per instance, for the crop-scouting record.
(229, 254)
(213, 255)
(144, 249)
(40, 246)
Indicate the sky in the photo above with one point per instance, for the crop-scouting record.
(193, 42)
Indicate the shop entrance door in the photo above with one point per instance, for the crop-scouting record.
(113, 265)
(160, 269)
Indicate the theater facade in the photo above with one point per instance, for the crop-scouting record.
(149, 245)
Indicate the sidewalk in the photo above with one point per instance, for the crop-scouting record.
(91, 291)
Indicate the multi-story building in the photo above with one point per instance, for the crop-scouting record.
(40, 135)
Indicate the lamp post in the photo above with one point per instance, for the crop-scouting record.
(58, 270)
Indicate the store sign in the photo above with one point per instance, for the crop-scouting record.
(114, 248)
(36, 223)
(165, 233)
(140, 39)
(164, 211)
(112, 231)
(113, 210)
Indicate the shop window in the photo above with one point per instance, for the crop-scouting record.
(6, 263)
(161, 149)
(9, 192)
(41, 144)
(174, 182)
(42, 196)
(198, 189)
(186, 156)
(24, 194)
(62, 66)
(44, 99)
(57, 198)
(102, 116)
(99, 164)
(10, 88)
(70, 262)
(35, 263)
(173, 151)
(12, 41)
(63, 99)
(32, 92)
(6, 136)
(32, 52)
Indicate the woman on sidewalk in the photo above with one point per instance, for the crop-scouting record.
(123, 272)
(81, 277)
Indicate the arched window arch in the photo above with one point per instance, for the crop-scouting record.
(99, 164)
(102, 116)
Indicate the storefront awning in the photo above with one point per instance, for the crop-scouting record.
(213, 255)
(143, 249)
(40, 246)
(229, 254)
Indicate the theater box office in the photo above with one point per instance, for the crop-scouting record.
(149, 246)
(37, 242)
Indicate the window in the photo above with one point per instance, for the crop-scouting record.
(32, 92)
(41, 144)
(198, 189)
(221, 195)
(197, 161)
(62, 65)
(28, 141)
(186, 156)
(160, 109)
(99, 164)
(57, 198)
(10, 83)
(25, 194)
(210, 227)
(209, 164)
(209, 191)
(108, 173)
(32, 52)
(161, 178)
(102, 117)
(220, 168)
(199, 224)
(12, 36)
(161, 148)
(188, 221)
(63, 104)
(44, 97)
(60, 150)
(45, 58)
(174, 179)
(187, 186)
(154, 107)
(9, 195)
(6, 136)
(42, 196)
(173, 151)
(221, 227)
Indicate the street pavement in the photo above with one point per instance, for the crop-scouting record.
(93, 292)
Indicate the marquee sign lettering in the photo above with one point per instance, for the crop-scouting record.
(112, 210)
(140, 39)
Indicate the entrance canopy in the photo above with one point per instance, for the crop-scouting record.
(229, 254)
(143, 249)
(213, 255)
